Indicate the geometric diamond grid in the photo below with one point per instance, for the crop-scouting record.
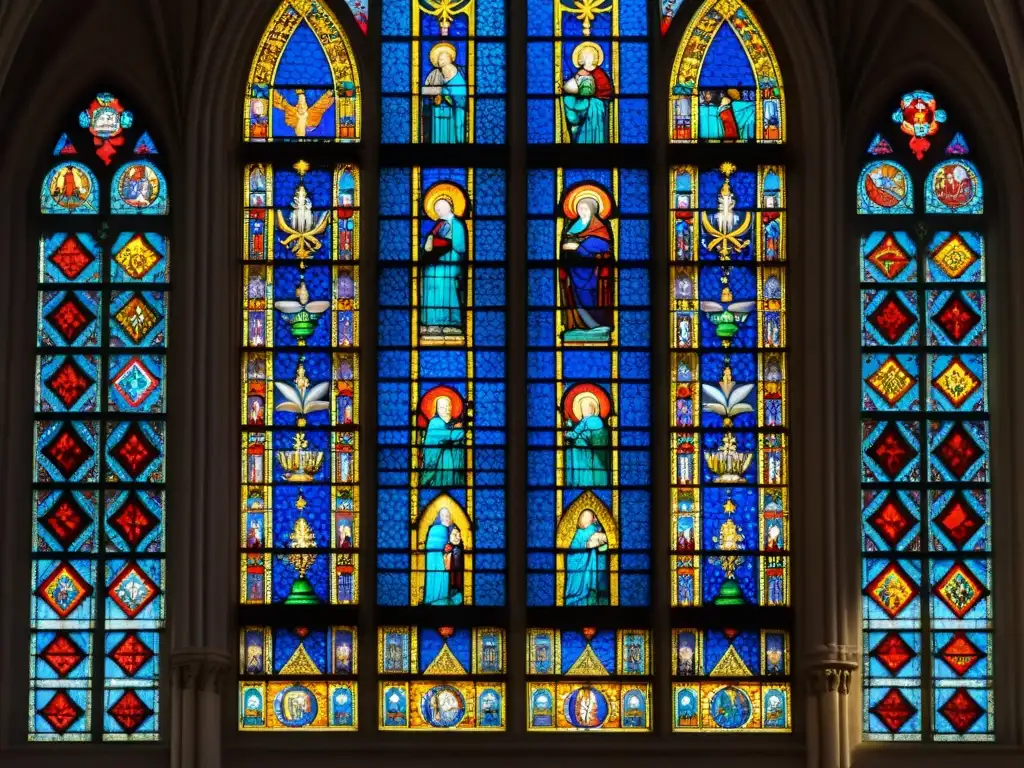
(101, 312)
(949, 469)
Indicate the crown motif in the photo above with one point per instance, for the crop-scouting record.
(300, 464)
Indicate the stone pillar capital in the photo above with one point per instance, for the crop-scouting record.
(201, 669)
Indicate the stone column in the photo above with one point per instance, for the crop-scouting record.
(829, 674)
(197, 679)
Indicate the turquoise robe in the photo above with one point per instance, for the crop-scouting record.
(435, 585)
(444, 456)
(441, 304)
(587, 118)
(587, 456)
(711, 126)
(586, 570)
(448, 119)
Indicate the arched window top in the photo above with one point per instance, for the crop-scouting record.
(726, 84)
(304, 82)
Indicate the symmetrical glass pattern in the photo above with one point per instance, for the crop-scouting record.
(444, 678)
(586, 76)
(927, 567)
(97, 615)
(300, 398)
(443, 72)
(303, 84)
(588, 679)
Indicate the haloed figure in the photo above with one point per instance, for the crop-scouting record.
(587, 580)
(446, 98)
(587, 96)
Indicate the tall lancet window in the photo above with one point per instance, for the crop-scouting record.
(729, 399)
(588, 372)
(927, 565)
(441, 395)
(299, 401)
(97, 615)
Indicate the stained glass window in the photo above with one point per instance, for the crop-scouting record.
(443, 72)
(299, 404)
(588, 425)
(668, 10)
(448, 678)
(729, 517)
(97, 615)
(587, 77)
(927, 565)
(360, 12)
(441, 416)
(725, 82)
(303, 83)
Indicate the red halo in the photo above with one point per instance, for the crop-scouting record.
(427, 404)
(573, 392)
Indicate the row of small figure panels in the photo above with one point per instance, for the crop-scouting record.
(481, 706)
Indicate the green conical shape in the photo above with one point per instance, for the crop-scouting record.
(729, 594)
(302, 593)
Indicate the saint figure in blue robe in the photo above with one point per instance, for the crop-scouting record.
(585, 275)
(444, 254)
(435, 584)
(587, 96)
(446, 98)
(587, 580)
(588, 453)
(444, 449)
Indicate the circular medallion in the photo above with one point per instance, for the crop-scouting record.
(955, 185)
(885, 184)
(586, 708)
(139, 186)
(295, 706)
(443, 706)
(730, 708)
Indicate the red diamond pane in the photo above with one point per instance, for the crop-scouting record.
(68, 451)
(70, 317)
(62, 654)
(133, 521)
(957, 318)
(71, 258)
(961, 710)
(134, 451)
(69, 382)
(131, 654)
(892, 520)
(891, 451)
(893, 652)
(958, 520)
(889, 257)
(66, 520)
(894, 710)
(61, 712)
(130, 712)
(960, 654)
(892, 318)
(958, 451)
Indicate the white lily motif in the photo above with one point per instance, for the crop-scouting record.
(301, 398)
(729, 398)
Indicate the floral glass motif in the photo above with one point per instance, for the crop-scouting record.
(443, 678)
(726, 85)
(587, 78)
(588, 384)
(97, 615)
(588, 680)
(927, 562)
(303, 84)
(443, 72)
(441, 390)
(297, 678)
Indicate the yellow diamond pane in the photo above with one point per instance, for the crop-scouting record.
(137, 258)
(957, 383)
(892, 381)
(955, 257)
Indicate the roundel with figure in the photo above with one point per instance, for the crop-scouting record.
(586, 708)
(443, 706)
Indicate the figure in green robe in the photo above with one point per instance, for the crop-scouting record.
(446, 98)
(587, 96)
(435, 583)
(588, 453)
(444, 258)
(587, 580)
(444, 450)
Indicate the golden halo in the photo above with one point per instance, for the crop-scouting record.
(587, 191)
(442, 47)
(577, 55)
(577, 404)
(444, 191)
